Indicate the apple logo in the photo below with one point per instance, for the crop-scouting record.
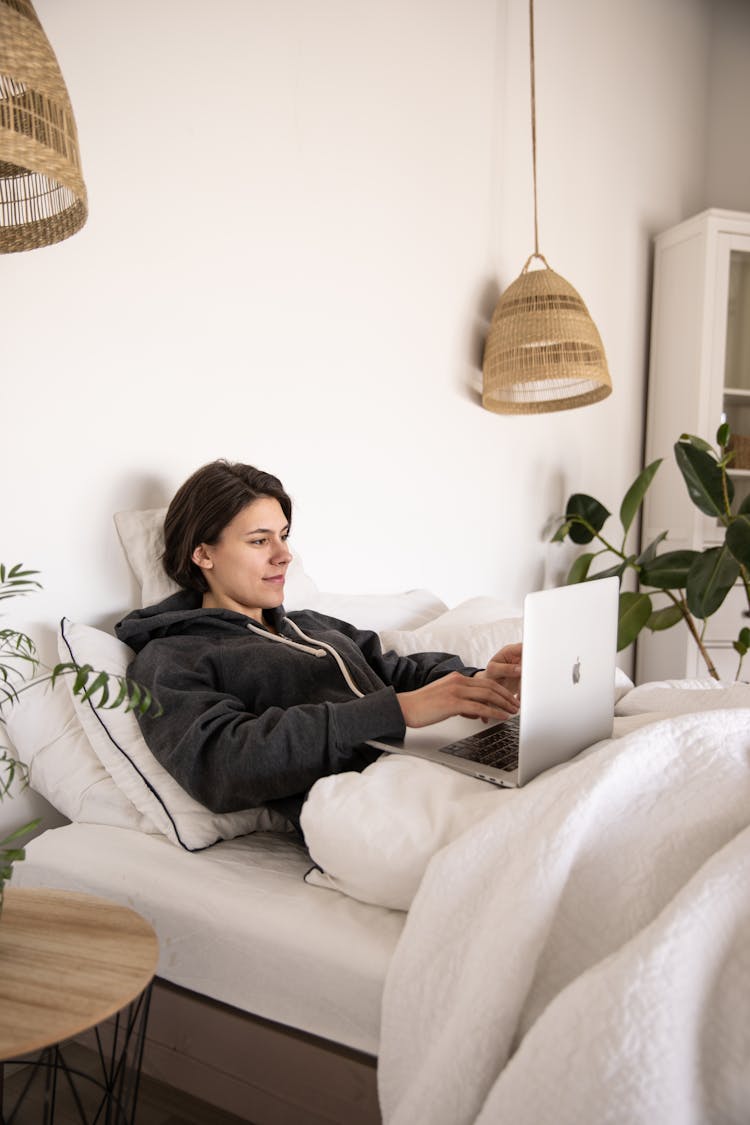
(577, 671)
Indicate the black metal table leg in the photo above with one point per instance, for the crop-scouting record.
(109, 1096)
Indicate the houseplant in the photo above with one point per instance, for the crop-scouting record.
(674, 587)
(19, 663)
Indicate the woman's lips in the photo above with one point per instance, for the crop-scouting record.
(278, 579)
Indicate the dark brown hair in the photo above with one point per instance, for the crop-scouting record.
(204, 505)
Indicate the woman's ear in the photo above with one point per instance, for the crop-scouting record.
(201, 557)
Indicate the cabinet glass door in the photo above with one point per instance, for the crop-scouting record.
(737, 362)
(737, 370)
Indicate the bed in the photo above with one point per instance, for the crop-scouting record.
(440, 951)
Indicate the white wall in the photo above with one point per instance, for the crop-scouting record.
(301, 217)
(728, 157)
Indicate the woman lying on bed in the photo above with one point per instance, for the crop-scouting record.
(258, 704)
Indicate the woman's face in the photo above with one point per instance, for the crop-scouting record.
(246, 569)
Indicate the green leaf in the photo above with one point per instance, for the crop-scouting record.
(82, 674)
(634, 496)
(19, 652)
(17, 571)
(16, 581)
(148, 703)
(10, 856)
(122, 694)
(61, 670)
(650, 552)
(14, 772)
(588, 510)
(579, 569)
(738, 539)
(665, 618)
(133, 696)
(615, 571)
(703, 478)
(561, 532)
(98, 686)
(697, 442)
(15, 642)
(722, 435)
(634, 613)
(19, 832)
(709, 580)
(744, 508)
(668, 571)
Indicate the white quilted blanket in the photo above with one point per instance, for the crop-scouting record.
(582, 954)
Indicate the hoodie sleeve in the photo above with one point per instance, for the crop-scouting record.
(229, 758)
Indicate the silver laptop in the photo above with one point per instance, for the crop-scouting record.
(567, 693)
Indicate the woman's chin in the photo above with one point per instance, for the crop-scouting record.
(274, 598)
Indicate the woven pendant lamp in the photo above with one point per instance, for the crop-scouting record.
(42, 193)
(543, 351)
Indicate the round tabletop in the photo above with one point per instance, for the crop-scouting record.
(67, 962)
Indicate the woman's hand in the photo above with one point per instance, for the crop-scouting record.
(481, 696)
(505, 668)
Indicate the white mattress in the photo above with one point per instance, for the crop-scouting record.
(236, 922)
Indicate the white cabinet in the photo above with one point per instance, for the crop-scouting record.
(699, 374)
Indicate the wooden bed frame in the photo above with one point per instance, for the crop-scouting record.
(262, 1071)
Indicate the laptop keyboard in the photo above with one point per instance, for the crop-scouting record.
(497, 746)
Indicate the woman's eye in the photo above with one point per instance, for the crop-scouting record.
(257, 542)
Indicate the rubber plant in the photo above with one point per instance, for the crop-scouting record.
(673, 586)
(19, 663)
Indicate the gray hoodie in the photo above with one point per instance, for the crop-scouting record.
(251, 717)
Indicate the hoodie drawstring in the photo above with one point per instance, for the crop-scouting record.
(319, 648)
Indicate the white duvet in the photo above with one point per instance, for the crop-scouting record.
(581, 953)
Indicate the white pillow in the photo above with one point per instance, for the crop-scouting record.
(407, 610)
(474, 630)
(63, 767)
(142, 536)
(678, 697)
(117, 741)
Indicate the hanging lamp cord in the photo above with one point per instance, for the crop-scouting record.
(533, 121)
(536, 253)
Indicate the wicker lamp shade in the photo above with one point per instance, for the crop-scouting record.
(42, 193)
(543, 351)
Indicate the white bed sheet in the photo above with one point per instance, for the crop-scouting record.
(237, 922)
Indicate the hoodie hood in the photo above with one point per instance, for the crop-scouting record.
(182, 613)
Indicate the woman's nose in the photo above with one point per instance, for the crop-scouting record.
(282, 554)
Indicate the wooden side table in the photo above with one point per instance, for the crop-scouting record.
(68, 962)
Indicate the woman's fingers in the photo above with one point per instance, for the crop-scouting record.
(505, 668)
(495, 670)
(472, 696)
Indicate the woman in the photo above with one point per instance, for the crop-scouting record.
(258, 704)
